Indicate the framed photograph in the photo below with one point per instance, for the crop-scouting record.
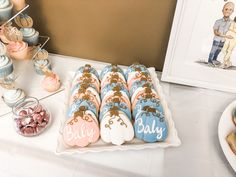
(201, 50)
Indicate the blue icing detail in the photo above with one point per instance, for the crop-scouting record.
(81, 102)
(121, 106)
(152, 102)
(150, 127)
(90, 69)
(78, 86)
(109, 68)
(110, 87)
(133, 67)
(138, 84)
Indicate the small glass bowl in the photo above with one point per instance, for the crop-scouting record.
(30, 117)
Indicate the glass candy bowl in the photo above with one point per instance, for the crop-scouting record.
(30, 117)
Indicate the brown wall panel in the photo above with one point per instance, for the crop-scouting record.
(116, 31)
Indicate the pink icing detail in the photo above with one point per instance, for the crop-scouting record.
(81, 132)
(18, 50)
(51, 83)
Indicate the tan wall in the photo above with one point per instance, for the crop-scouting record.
(116, 31)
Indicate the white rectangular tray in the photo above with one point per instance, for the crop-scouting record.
(136, 144)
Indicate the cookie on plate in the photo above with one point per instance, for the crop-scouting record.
(231, 139)
(234, 116)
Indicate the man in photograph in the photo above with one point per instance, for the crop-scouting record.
(220, 28)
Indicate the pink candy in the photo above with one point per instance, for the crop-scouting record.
(32, 121)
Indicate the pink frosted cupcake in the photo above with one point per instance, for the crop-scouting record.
(51, 82)
(18, 4)
(18, 50)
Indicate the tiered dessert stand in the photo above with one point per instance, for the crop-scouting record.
(12, 94)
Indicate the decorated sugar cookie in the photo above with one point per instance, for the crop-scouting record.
(152, 102)
(116, 128)
(87, 69)
(116, 96)
(110, 68)
(86, 94)
(138, 76)
(138, 84)
(84, 85)
(143, 92)
(134, 68)
(113, 77)
(119, 105)
(114, 87)
(82, 102)
(88, 78)
(150, 125)
(81, 129)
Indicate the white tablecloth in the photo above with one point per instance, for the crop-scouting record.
(196, 113)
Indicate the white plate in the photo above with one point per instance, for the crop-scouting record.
(225, 127)
(135, 144)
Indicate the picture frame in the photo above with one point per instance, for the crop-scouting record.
(193, 30)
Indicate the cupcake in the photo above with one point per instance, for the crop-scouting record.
(24, 21)
(30, 35)
(10, 97)
(5, 10)
(42, 54)
(9, 33)
(18, 50)
(39, 64)
(51, 82)
(6, 66)
(18, 4)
